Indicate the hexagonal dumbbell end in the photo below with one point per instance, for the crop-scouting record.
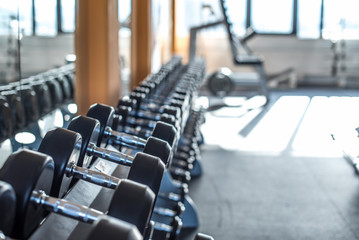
(110, 228)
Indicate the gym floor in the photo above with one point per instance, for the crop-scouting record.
(275, 172)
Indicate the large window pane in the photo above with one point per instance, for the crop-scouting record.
(45, 17)
(309, 18)
(25, 10)
(124, 12)
(8, 39)
(275, 16)
(341, 19)
(68, 15)
(237, 14)
(8, 22)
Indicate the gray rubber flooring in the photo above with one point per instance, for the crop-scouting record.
(276, 173)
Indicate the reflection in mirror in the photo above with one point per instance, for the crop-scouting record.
(124, 37)
(8, 45)
(36, 70)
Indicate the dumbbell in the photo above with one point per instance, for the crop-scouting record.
(65, 86)
(6, 125)
(148, 111)
(57, 94)
(64, 146)
(152, 108)
(17, 107)
(30, 173)
(7, 207)
(145, 168)
(70, 77)
(125, 119)
(44, 96)
(106, 114)
(143, 128)
(30, 103)
(90, 131)
(110, 228)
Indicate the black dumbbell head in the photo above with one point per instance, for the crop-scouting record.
(6, 117)
(158, 148)
(143, 90)
(31, 105)
(7, 207)
(139, 97)
(123, 112)
(64, 147)
(65, 86)
(89, 129)
(171, 110)
(43, 96)
(148, 170)
(27, 171)
(128, 102)
(57, 96)
(104, 114)
(70, 77)
(166, 132)
(170, 119)
(109, 228)
(132, 202)
(17, 107)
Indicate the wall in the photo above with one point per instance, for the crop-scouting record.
(39, 54)
(307, 57)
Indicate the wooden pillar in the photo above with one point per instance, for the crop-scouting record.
(97, 53)
(141, 41)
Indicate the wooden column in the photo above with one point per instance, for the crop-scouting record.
(97, 53)
(141, 41)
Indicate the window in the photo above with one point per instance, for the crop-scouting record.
(309, 18)
(237, 11)
(8, 18)
(45, 17)
(124, 12)
(67, 15)
(274, 16)
(341, 19)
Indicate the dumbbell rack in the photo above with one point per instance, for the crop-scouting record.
(39, 97)
(174, 80)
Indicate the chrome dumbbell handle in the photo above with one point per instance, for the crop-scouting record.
(65, 208)
(92, 176)
(112, 156)
(125, 138)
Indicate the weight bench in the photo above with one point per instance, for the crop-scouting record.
(224, 81)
